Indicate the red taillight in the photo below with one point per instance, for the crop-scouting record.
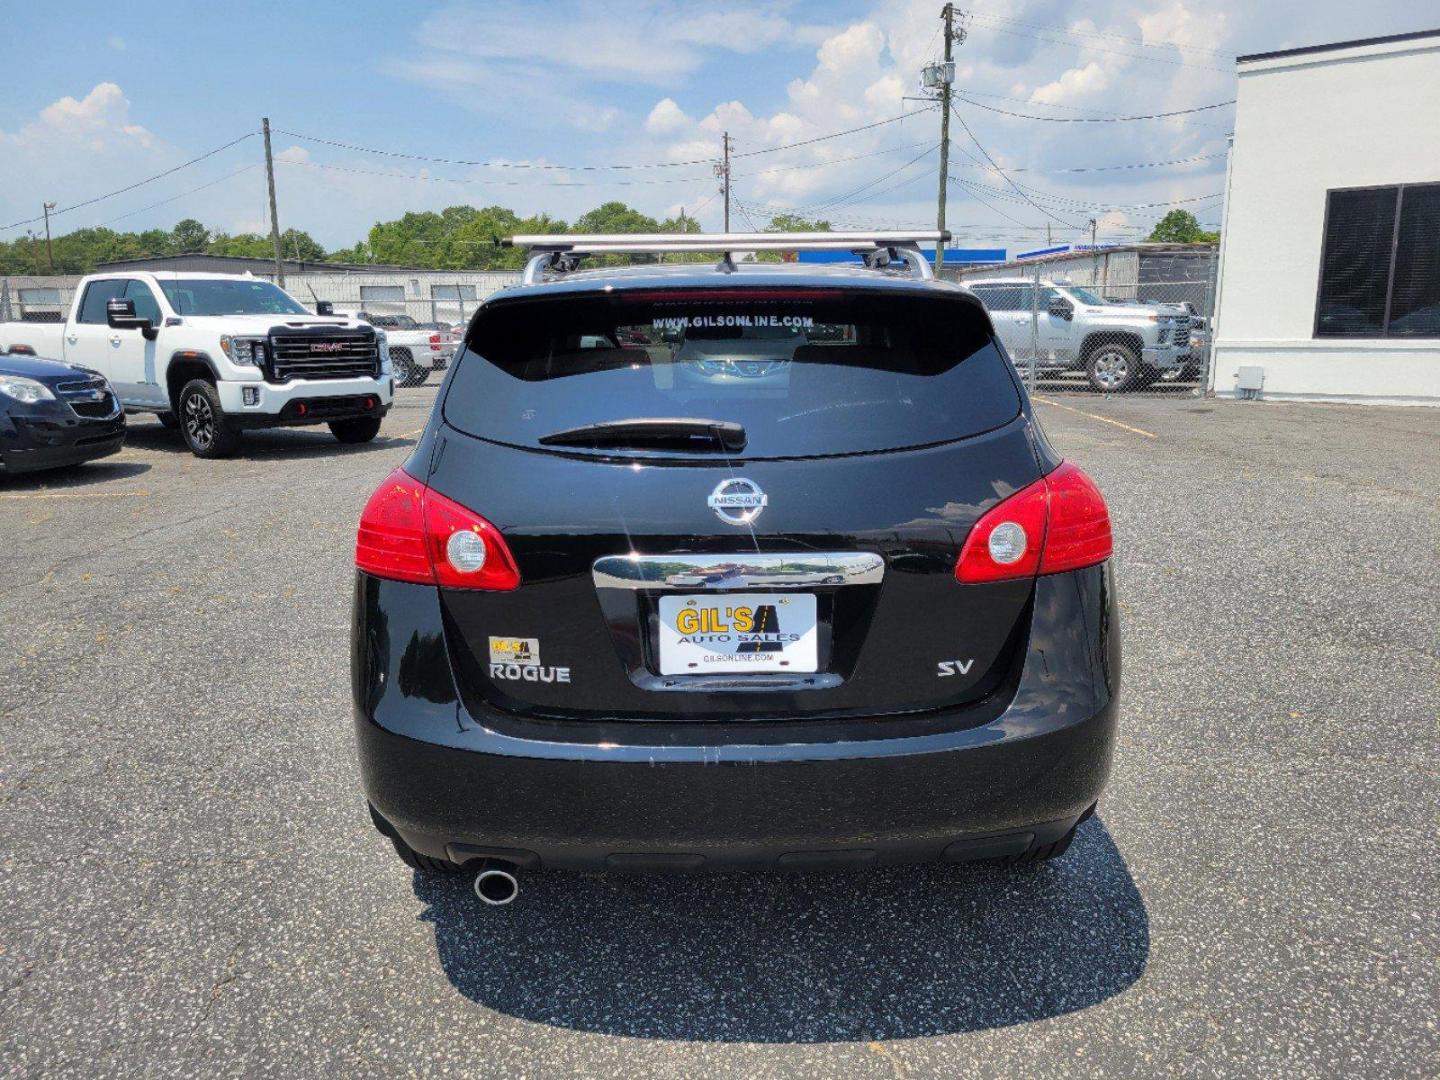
(1079, 530)
(1057, 523)
(435, 340)
(1025, 509)
(406, 533)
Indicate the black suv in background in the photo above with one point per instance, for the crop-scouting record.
(54, 414)
(759, 565)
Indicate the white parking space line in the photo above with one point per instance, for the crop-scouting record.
(76, 494)
(1093, 416)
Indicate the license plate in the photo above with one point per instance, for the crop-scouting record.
(702, 635)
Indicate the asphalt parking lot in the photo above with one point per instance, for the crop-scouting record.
(191, 885)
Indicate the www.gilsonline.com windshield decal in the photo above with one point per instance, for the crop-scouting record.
(801, 322)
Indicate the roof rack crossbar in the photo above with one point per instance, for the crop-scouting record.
(656, 242)
(559, 253)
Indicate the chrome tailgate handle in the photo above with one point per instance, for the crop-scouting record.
(692, 573)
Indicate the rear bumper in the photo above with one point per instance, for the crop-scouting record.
(1013, 771)
(965, 802)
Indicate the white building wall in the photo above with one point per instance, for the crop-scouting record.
(1304, 125)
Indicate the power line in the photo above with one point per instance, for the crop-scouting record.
(885, 191)
(132, 187)
(1116, 168)
(1158, 43)
(834, 135)
(174, 198)
(1114, 52)
(833, 161)
(485, 182)
(1005, 175)
(588, 168)
(586, 183)
(1095, 119)
(1082, 203)
(840, 200)
(1047, 104)
(991, 206)
(816, 208)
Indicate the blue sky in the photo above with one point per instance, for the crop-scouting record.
(98, 96)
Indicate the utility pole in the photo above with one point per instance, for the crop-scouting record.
(722, 170)
(1094, 255)
(274, 220)
(948, 14)
(49, 251)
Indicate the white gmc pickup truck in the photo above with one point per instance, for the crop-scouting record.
(215, 354)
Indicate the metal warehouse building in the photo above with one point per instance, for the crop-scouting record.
(426, 295)
(1329, 285)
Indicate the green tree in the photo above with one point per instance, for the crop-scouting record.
(1180, 227)
(476, 245)
(299, 244)
(796, 223)
(156, 242)
(189, 236)
(360, 253)
(790, 223)
(249, 245)
(616, 217)
(411, 240)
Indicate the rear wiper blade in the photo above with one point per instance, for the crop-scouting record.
(671, 431)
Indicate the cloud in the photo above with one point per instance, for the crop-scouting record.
(72, 150)
(1069, 57)
(666, 118)
(566, 60)
(1179, 25)
(661, 79)
(103, 115)
(1076, 84)
(116, 42)
(650, 42)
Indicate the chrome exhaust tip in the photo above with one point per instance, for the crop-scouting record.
(495, 885)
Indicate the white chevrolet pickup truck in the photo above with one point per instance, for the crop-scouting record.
(215, 354)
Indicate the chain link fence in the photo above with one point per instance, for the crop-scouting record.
(428, 298)
(1107, 322)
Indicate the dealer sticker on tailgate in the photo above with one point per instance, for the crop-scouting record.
(702, 635)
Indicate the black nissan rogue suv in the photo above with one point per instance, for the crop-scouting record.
(732, 566)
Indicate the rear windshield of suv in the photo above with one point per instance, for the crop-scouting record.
(805, 372)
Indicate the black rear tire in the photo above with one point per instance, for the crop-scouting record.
(1052, 850)
(425, 864)
(361, 429)
(1042, 852)
(407, 371)
(202, 421)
